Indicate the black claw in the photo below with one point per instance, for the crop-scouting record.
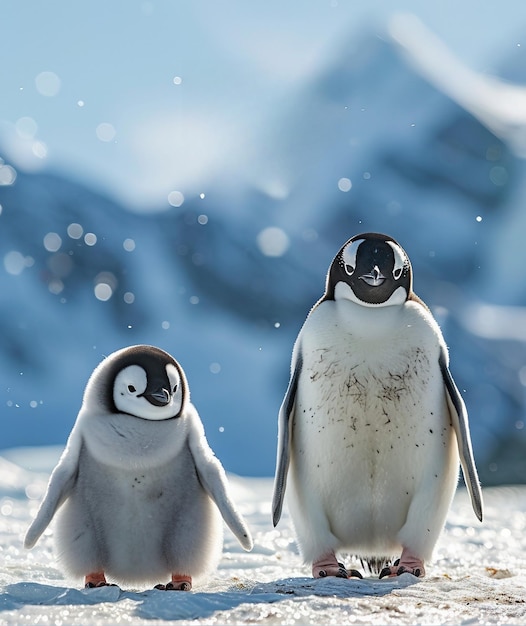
(89, 586)
(184, 586)
(354, 573)
(342, 573)
(385, 572)
(401, 570)
(322, 573)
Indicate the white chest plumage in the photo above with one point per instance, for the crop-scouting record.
(370, 407)
(368, 383)
(126, 442)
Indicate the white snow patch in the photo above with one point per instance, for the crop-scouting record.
(478, 575)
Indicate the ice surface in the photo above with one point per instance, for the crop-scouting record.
(478, 575)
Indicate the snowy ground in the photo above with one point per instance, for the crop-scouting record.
(478, 575)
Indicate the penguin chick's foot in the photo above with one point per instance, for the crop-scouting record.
(96, 579)
(178, 583)
(406, 563)
(328, 565)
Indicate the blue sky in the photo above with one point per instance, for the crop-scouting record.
(141, 98)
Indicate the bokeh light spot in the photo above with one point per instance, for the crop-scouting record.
(47, 84)
(128, 245)
(14, 263)
(39, 149)
(273, 241)
(175, 198)
(498, 175)
(55, 286)
(105, 132)
(7, 174)
(26, 127)
(52, 242)
(105, 285)
(103, 291)
(75, 231)
(344, 184)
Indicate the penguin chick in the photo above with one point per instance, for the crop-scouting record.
(372, 425)
(137, 491)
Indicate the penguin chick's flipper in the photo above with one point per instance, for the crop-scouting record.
(213, 478)
(179, 582)
(459, 419)
(61, 483)
(327, 565)
(407, 563)
(286, 418)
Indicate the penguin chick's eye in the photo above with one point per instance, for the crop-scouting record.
(174, 389)
(131, 389)
(349, 269)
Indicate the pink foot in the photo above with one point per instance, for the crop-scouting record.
(96, 579)
(328, 565)
(406, 563)
(179, 582)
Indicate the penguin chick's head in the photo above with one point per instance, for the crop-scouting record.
(370, 269)
(142, 381)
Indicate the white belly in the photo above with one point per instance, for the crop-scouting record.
(371, 431)
(139, 526)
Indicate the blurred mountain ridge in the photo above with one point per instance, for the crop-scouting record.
(224, 281)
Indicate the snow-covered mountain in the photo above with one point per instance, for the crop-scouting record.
(224, 280)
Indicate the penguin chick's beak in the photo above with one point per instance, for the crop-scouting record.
(159, 397)
(375, 277)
